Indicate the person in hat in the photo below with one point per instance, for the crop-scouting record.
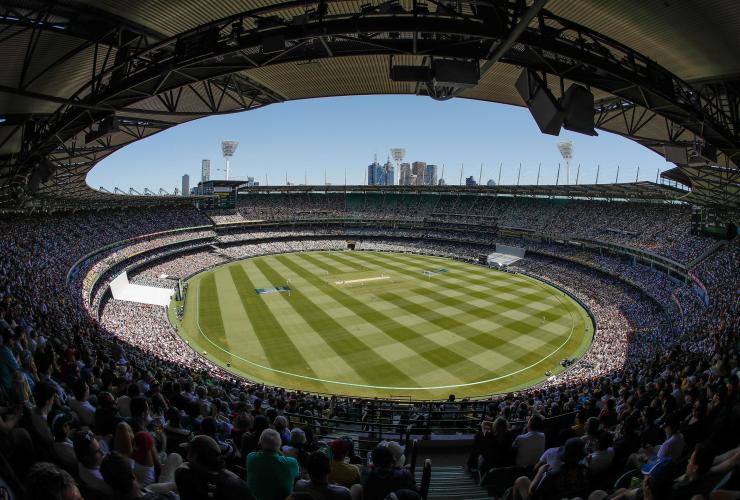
(343, 473)
(63, 447)
(270, 475)
(204, 475)
(567, 480)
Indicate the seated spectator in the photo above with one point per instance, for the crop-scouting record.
(63, 447)
(568, 480)
(671, 448)
(44, 396)
(46, 480)
(318, 485)
(89, 455)
(271, 475)
(107, 415)
(204, 475)
(601, 459)
(530, 445)
(497, 448)
(116, 470)
(399, 459)
(381, 478)
(699, 478)
(343, 473)
(174, 433)
(297, 446)
(80, 405)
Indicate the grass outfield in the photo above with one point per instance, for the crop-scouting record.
(378, 324)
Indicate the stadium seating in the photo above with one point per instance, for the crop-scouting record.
(82, 373)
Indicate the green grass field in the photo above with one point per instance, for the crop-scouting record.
(375, 324)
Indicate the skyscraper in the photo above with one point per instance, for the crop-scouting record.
(389, 173)
(205, 171)
(470, 181)
(417, 169)
(404, 174)
(186, 185)
(375, 176)
(430, 175)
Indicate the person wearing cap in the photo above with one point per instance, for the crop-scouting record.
(204, 475)
(567, 480)
(63, 447)
(399, 459)
(656, 482)
(319, 466)
(342, 472)
(271, 475)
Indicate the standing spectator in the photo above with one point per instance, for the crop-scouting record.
(271, 475)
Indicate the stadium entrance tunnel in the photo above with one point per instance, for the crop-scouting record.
(381, 324)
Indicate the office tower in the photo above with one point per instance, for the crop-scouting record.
(205, 171)
(186, 185)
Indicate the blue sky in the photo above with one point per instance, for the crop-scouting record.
(305, 138)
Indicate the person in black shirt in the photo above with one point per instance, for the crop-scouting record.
(381, 479)
(203, 476)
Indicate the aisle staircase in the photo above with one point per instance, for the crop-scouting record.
(452, 482)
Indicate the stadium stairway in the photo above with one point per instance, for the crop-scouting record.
(452, 482)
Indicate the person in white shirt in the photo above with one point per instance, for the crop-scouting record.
(601, 459)
(80, 405)
(530, 445)
(674, 444)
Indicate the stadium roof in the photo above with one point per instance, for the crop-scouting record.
(83, 78)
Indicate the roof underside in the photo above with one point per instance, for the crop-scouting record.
(70, 67)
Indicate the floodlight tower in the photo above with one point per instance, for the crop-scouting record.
(566, 150)
(228, 148)
(398, 155)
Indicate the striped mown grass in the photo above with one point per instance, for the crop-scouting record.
(376, 325)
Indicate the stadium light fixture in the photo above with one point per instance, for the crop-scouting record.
(566, 150)
(228, 148)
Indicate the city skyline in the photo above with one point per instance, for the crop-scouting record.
(311, 141)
